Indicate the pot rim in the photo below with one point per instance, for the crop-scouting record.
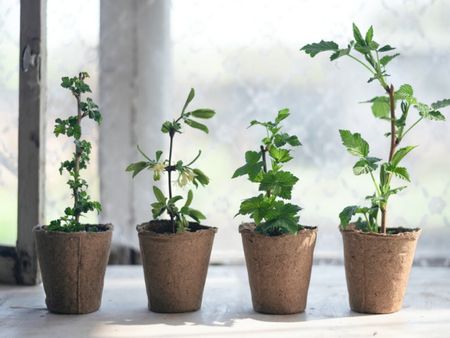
(249, 227)
(42, 228)
(141, 230)
(409, 232)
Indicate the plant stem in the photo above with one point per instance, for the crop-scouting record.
(263, 155)
(169, 172)
(77, 162)
(390, 91)
(375, 184)
(362, 63)
(412, 126)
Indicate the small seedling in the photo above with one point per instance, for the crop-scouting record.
(71, 127)
(186, 173)
(374, 58)
(269, 210)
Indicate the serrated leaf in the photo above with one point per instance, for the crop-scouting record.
(279, 183)
(365, 165)
(400, 172)
(203, 113)
(369, 35)
(381, 107)
(405, 92)
(426, 112)
(357, 35)
(280, 155)
(282, 114)
(197, 125)
(440, 104)
(346, 215)
(252, 167)
(339, 53)
(400, 154)
(315, 48)
(388, 58)
(354, 143)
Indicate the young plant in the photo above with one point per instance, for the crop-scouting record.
(186, 173)
(71, 127)
(374, 58)
(269, 210)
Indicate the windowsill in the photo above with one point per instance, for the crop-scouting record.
(227, 309)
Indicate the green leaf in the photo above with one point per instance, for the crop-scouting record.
(203, 113)
(369, 35)
(137, 167)
(365, 165)
(400, 172)
(405, 92)
(174, 199)
(280, 155)
(339, 53)
(279, 183)
(381, 108)
(252, 167)
(189, 99)
(315, 48)
(354, 143)
(159, 195)
(197, 125)
(158, 155)
(256, 207)
(200, 177)
(440, 104)
(196, 215)
(388, 58)
(166, 126)
(357, 35)
(385, 48)
(400, 154)
(282, 114)
(190, 196)
(346, 215)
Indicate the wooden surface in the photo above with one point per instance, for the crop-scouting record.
(227, 310)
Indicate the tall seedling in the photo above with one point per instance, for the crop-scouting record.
(269, 210)
(71, 127)
(374, 58)
(179, 215)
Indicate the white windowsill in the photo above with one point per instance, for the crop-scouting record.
(227, 310)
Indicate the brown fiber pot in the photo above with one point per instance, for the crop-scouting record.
(279, 269)
(73, 267)
(175, 265)
(377, 268)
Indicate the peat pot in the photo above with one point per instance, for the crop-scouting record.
(279, 268)
(175, 265)
(377, 267)
(73, 267)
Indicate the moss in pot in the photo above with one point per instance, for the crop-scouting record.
(378, 258)
(72, 255)
(278, 249)
(176, 251)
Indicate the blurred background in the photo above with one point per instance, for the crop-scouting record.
(243, 59)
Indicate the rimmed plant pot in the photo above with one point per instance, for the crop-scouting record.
(175, 265)
(377, 268)
(279, 269)
(73, 268)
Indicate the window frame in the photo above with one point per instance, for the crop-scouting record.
(18, 265)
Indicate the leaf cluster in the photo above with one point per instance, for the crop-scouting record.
(187, 174)
(371, 56)
(71, 127)
(270, 211)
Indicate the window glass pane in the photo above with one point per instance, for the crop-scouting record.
(243, 59)
(9, 112)
(72, 46)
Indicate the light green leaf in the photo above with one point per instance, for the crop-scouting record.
(381, 108)
(400, 172)
(282, 114)
(354, 143)
(346, 215)
(190, 196)
(365, 165)
(159, 195)
(203, 113)
(405, 92)
(280, 155)
(369, 35)
(279, 183)
(197, 125)
(189, 99)
(400, 154)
